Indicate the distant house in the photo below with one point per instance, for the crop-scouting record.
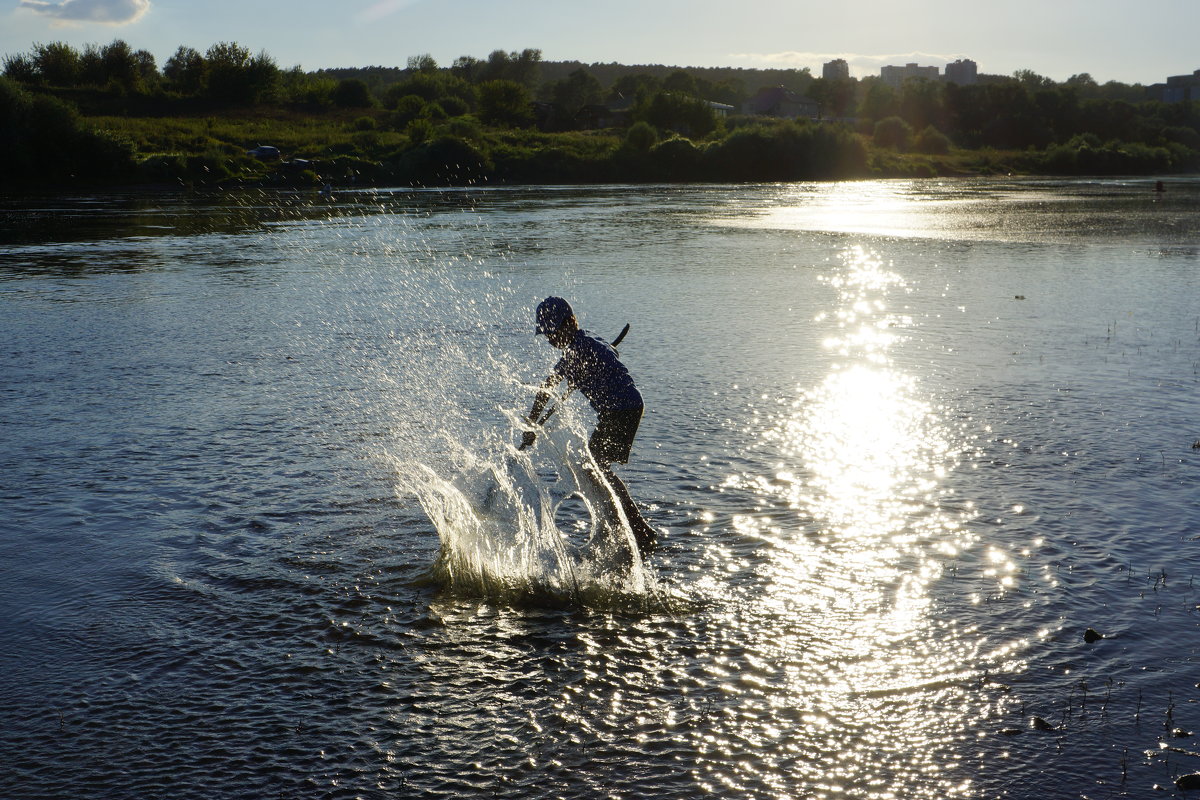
(720, 109)
(543, 114)
(777, 101)
(605, 115)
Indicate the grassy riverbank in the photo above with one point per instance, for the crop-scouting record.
(52, 142)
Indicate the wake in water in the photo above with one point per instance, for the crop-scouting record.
(502, 533)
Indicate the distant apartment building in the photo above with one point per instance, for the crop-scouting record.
(896, 76)
(1179, 88)
(836, 70)
(964, 72)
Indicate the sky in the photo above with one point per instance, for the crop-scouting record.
(1131, 42)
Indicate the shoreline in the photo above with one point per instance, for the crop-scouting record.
(166, 188)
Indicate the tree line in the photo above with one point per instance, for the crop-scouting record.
(657, 122)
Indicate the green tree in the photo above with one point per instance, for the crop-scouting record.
(20, 68)
(467, 68)
(147, 69)
(787, 151)
(185, 71)
(835, 96)
(1031, 80)
(640, 137)
(1084, 84)
(681, 82)
(313, 90)
(683, 115)
(879, 100)
(932, 141)
(639, 87)
(422, 63)
(44, 140)
(431, 86)
(352, 93)
(121, 65)
(577, 90)
(505, 103)
(57, 64)
(419, 130)
(264, 78)
(893, 132)
(454, 106)
(522, 68)
(921, 103)
(228, 64)
(91, 65)
(407, 109)
(238, 78)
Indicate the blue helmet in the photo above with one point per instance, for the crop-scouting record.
(551, 314)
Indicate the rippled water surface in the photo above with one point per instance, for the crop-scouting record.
(906, 442)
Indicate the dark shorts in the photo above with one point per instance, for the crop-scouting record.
(613, 438)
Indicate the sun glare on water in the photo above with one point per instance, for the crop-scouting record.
(876, 670)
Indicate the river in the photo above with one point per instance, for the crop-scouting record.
(906, 443)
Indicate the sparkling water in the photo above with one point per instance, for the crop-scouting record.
(266, 533)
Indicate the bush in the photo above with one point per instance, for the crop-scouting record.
(433, 111)
(44, 140)
(684, 115)
(419, 131)
(466, 128)
(454, 106)
(1083, 155)
(678, 159)
(365, 124)
(163, 168)
(1188, 137)
(787, 151)
(367, 141)
(407, 109)
(932, 141)
(892, 132)
(316, 93)
(352, 93)
(423, 85)
(444, 161)
(640, 137)
(206, 168)
(505, 104)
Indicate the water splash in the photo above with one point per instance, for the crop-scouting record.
(434, 332)
(497, 519)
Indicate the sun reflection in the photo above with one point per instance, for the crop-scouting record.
(895, 208)
(864, 457)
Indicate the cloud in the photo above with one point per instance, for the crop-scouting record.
(861, 64)
(382, 8)
(103, 12)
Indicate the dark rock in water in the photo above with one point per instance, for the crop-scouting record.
(1011, 731)
(1180, 733)
(1091, 635)
(1196, 445)
(1188, 782)
(1040, 724)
